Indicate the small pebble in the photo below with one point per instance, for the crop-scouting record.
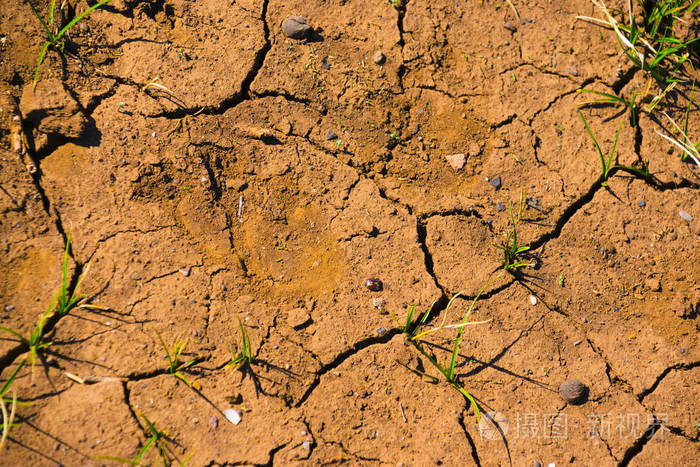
(500, 207)
(185, 271)
(573, 391)
(296, 27)
(510, 26)
(214, 422)
(9, 308)
(533, 300)
(378, 303)
(379, 57)
(306, 445)
(373, 284)
(234, 416)
(572, 71)
(496, 182)
(324, 63)
(685, 216)
(330, 136)
(641, 204)
(381, 331)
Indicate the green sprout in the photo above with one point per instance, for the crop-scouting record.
(512, 252)
(606, 165)
(8, 419)
(174, 366)
(53, 36)
(159, 439)
(34, 341)
(61, 304)
(243, 354)
(607, 98)
(447, 370)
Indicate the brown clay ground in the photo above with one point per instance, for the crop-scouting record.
(150, 192)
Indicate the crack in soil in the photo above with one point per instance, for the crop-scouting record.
(401, 10)
(639, 443)
(475, 453)
(660, 378)
(557, 99)
(341, 357)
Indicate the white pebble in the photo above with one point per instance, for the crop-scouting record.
(234, 416)
(685, 216)
(533, 300)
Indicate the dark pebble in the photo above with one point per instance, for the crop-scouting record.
(324, 64)
(295, 27)
(500, 207)
(496, 182)
(573, 391)
(379, 58)
(641, 204)
(375, 285)
(510, 26)
(330, 136)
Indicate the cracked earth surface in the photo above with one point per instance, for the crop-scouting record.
(205, 189)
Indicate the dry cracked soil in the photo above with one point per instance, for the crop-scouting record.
(208, 169)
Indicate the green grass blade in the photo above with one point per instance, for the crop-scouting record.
(49, 35)
(433, 361)
(183, 378)
(42, 55)
(11, 378)
(79, 17)
(409, 318)
(144, 449)
(609, 98)
(455, 351)
(167, 351)
(470, 399)
(612, 151)
(595, 142)
(15, 333)
(668, 51)
(52, 8)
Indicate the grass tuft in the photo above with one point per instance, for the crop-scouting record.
(173, 355)
(52, 35)
(447, 370)
(244, 354)
(513, 253)
(8, 419)
(159, 439)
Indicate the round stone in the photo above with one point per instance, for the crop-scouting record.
(379, 57)
(573, 391)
